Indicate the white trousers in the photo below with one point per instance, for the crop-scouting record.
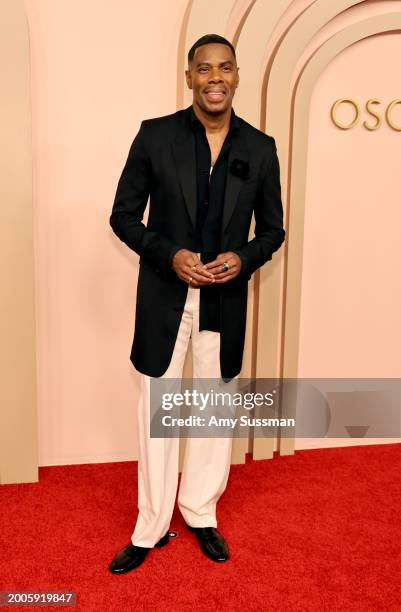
(207, 461)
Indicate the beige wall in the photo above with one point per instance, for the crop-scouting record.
(98, 69)
(18, 417)
(351, 286)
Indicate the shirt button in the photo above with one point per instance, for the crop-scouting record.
(206, 203)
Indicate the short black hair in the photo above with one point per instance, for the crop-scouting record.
(207, 39)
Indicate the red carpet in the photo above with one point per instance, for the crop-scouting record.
(319, 530)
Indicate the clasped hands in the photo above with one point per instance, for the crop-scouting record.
(193, 271)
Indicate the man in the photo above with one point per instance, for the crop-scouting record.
(206, 171)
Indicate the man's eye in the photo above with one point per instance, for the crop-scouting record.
(204, 69)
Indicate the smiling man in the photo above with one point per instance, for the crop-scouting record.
(207, 171)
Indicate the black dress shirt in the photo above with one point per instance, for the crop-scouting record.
(211, 184)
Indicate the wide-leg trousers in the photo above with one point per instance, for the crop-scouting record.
(206, 462)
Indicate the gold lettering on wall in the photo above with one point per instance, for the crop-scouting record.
(379, 121)
(388, 117)
(334, 108)
(369, 106)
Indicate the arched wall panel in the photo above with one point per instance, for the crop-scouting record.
(286, 30)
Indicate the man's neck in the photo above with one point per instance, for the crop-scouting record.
(214, 124)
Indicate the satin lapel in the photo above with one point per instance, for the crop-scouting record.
(184, 156)
(234, 183)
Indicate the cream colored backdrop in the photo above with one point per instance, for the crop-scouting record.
(326, 304)
(351, 288)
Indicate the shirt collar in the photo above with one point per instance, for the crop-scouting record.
(234, 123)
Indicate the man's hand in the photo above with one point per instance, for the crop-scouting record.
(216, 266)
(190, 269)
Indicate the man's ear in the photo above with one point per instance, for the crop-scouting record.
(188, 77)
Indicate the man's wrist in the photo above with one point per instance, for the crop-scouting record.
(173, 251)
(244, 262)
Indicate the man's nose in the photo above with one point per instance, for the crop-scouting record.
(215, 75)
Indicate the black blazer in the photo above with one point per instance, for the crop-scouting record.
(161, 163)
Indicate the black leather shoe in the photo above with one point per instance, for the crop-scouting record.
(212, 542)
(132, 556)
